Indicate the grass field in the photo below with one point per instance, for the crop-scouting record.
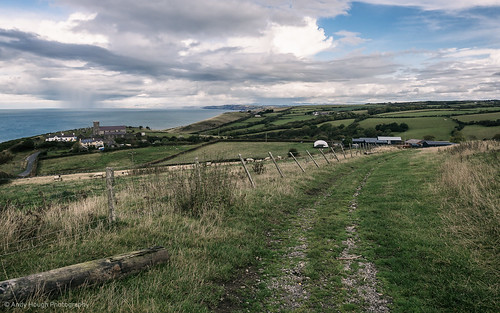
(230, 150)
(337, 123)
(421, 113)
(440, 127)
(472, 132)
(293, 118)
(99, 161)
(427, 221)
(479, 117)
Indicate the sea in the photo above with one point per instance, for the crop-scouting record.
(16, 123)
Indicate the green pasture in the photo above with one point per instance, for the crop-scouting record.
(479, 117)
(99, 161)
(293, 118)
(423, 113)
(230, 150)
(480, 132)
(439, 127)
(337, 123)
(35, 196)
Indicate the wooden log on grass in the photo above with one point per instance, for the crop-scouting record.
(59, 280)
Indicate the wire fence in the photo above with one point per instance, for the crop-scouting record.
(31, 228)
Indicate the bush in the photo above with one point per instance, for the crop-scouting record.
(294, 151)
(5, 156)
(429, 137)
(24, 145)
(204, 190)
(4, 178)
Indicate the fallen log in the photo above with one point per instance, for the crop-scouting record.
(59, 280)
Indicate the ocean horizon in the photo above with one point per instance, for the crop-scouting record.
(20, 123)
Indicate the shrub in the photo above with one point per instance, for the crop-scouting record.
(429, 137)
(203, 190)
(5, 156)
(294, 151)
(4, 178)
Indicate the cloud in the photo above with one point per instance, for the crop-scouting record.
(176, 53)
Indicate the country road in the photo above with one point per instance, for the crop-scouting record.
(31, 161)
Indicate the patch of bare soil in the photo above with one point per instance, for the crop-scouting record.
(360, 281)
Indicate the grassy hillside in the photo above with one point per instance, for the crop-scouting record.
(427, 221)
(439, 127)
(120, 159)
(452, 120)
(230, 150)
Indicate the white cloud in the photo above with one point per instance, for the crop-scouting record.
(178, 53)
(305, 40)
(65, 31)
(302, 41)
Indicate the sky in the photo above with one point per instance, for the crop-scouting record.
(177, 53)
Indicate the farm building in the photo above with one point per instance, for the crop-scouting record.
(368, 140)
(390, 140)
(320, 144)
(414, 143)
(429, 143)
(380, 140)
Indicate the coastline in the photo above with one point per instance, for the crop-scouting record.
(18, 124)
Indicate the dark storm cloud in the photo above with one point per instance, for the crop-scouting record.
(192, 17)
(94, 55)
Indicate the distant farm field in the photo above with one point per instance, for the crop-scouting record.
(439, 127)
(480, 132)
(293, 118)
(116, 159)
(421, 113)
(230, 150)
(479, 117)
(337, 123)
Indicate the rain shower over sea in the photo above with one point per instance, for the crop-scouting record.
(26, 123)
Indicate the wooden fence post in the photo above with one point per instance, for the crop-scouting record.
(343, 151)
(350, 149)
(110, 177)
(197, 169)
(277, 167)
(312, 159)
(303, 171)
(324, 156)
(335, 154)
(246, 170)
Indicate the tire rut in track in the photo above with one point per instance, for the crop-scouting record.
(361, 284)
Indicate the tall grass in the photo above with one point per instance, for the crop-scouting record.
(208, 217)
(471, 182)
